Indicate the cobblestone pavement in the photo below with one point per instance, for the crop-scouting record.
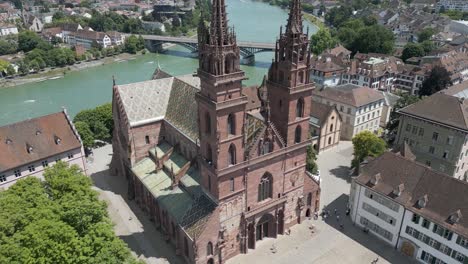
(314, 241)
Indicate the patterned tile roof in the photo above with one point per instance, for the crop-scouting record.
(145, 101)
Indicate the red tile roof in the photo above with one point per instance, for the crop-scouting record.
(41, 134)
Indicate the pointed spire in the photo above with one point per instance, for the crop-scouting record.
(295, 17)
(219, 27)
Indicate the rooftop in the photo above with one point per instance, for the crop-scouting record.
(36, 139)
(350, 94)
(445, 195)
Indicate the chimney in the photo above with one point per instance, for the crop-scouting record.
(422, 202)
(399, 189)
(375, 179)
(455, 217)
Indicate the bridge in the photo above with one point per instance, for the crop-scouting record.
(247, 49)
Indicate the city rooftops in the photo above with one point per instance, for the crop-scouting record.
(350, 94)
(443, 196)
(36, 139)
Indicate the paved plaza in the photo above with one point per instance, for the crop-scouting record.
(315, 241)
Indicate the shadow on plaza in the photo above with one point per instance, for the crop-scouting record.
(357, 234)
(341, 172)
(158, 247)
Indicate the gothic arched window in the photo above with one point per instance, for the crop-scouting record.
(231, 124)
(300, 108)
(209, 249)
(207, 123)
(265, 187)
(232, 155)
(297, 135)
(331, 128)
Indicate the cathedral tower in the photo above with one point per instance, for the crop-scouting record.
(289, 87)
(221, 105)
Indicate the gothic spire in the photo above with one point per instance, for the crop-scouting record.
(219, 26)
(295, 17)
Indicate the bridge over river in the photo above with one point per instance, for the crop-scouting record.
(247, 49)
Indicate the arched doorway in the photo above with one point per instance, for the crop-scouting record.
(266, 227)
(308, 212)
(210, 261)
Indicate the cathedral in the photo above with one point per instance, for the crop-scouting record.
(218, 166)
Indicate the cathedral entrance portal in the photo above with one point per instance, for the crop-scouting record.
(265, 227)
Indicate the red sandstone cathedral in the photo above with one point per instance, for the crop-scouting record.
(218, 166)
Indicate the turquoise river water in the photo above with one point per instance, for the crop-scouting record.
(253, 21)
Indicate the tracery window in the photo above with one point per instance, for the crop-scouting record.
(265, 187)
(300, 108)
(232, 155)
(231, 125)
(297, 134)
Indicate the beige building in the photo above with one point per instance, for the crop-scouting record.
(30, 146)
(325, 126)
(360, 107)
(436, 128)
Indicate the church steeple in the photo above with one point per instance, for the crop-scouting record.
(295, 17)
(221, 104)
(289, 87)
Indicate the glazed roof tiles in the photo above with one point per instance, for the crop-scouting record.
(445, 195)
(41, 135)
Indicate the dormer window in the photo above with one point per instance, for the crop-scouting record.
(29, 148)
(57, 140)
(455, 217)
(375, 179)
(422, 202)
(8, 141)
(38, 132)
(399, 189)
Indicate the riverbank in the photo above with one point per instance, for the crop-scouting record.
(57, 73)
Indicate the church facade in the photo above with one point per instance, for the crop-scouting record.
(218, 166)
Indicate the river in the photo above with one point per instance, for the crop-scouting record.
(253, 21)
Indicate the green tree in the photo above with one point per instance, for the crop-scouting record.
(425, 34)
(338, 15)
(58, 220)
(366, 144)
(439, 79)
(374, 38)
(23, 67)
(99, 121)
(11, 70)
(8, 46)
(4, 66)
(311, 164)
(412, 50)
(28, 40)
(427, 46)
(321, 41)
(85, 133)
(132, 44)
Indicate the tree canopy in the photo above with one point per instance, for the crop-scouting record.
(58, 220)
(439, 79)
(311, 164)
(412, 50)
(366, 144)
(133, 44)
(321, 41)
(98, 121)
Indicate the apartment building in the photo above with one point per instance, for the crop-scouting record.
(409, 78)
(459, 5)
(30, 146)
(87, 38)
(417, 210)
(436, 128)
(325, 126)
(326, 70)
(360, 107)
(377, 71)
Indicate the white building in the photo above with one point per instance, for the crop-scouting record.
(360, 107)
(28, 147)
(8, 29)
(459, 5)
(419, 211)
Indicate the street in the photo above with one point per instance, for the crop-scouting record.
(314, 241)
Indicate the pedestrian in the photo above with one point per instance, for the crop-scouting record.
(341, 226)
(348, 211)
(338, 218)
(335, 210)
